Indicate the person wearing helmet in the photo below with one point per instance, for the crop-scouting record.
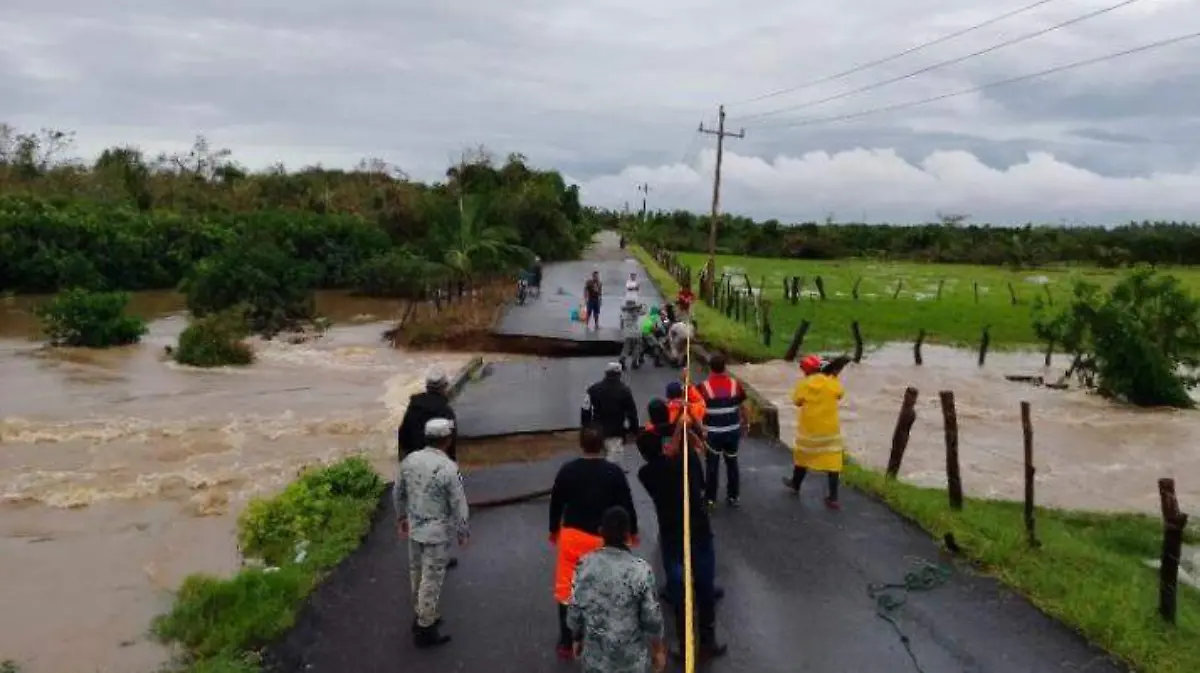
(819, 446)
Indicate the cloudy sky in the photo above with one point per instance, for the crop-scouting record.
(611, 93)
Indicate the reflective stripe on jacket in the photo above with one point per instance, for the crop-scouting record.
(723, 399)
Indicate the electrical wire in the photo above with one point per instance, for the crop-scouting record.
(898, 55)
(1010, 80)
(941, 64)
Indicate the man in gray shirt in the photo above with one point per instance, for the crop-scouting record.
(431, 513)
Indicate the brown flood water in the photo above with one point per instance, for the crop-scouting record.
(122, 472)
(1090, 453)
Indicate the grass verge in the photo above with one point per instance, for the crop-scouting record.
(292, 539)
(1089, 573)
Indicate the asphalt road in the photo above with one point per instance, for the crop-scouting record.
(795, 574)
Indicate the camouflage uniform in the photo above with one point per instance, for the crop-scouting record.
(614, 607)
(430, 493)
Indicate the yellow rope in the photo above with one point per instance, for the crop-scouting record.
(689, 650)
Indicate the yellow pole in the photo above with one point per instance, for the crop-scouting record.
(689, 651)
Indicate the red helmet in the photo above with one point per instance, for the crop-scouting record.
(810, 364)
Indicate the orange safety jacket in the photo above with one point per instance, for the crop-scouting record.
(696, 408)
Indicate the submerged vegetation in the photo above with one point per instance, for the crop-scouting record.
(80, 318)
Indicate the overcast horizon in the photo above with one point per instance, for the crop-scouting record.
(611, 97)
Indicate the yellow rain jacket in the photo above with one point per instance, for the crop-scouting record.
(818, 433)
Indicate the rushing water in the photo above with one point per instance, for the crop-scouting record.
(122, 472)
(1090, 453)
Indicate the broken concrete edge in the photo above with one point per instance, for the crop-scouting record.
(460, 379)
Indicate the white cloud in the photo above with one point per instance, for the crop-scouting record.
(881, 186)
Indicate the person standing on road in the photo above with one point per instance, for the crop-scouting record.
(431, 513)
(725, 424)
(593, 290)
(584, 489)
(433, 402)
(819, 445)
(662, 477)
(608, 405)
(614, 613)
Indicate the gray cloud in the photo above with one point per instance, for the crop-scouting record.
(605, 92)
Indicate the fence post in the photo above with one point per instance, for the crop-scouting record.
(1049, 352)
(854, 290)
(976, 284)
(1012, 293)
(795, 289)
(917, 348)
(1030, 471)
(821, 287)
(766, 322)
(939, 290)
(1174, 522)
(904, 423)
(858, 342)
(984, 340)
(953, 475)
(899, 286)
(797, 341)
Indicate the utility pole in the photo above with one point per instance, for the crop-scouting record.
(721, 134)
(644, 188)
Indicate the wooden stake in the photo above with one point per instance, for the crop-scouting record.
(1027, 432)
(953, 475)
(983, 346)
(899, 286)
(854, 290)
(1174, 522)
(917, 348)
(939, 291)
(797, 341)
(1012, 293)
(976, 283)
(797, 284)
(858, 342)
(821, 287)
(904, 423)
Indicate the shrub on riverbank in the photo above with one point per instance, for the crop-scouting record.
(216, 340)
(299, 534)
(1090, 572)
(86, 319)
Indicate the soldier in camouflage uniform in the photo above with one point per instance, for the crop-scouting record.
(431, 512)
(614, 613)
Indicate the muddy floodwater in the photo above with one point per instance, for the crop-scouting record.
(122, 472)
(1090, 453)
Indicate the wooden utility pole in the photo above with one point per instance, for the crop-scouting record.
(721, 134)
(644, 188)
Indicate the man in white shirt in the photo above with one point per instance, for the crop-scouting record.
(633, 289)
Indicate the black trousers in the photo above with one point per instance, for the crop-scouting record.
(833, 478)
(722, 447)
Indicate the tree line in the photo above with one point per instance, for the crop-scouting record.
(949, 240)
(129, 221)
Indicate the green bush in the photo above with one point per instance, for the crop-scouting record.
(324, 514)
(1140, 342)
(83, 318)
(275, 287)
(216, 340)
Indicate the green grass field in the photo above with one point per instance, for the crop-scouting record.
(954, 319)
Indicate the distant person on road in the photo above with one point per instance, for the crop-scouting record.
(677, 341)
(593, 290)
(685, 298)
(725, 424)
(633, 289)
(819, 445)
(609, 406)
(661, 446)
(584, 489)
(536, 273)
(433, 402)
(615, 621)
(431, 513)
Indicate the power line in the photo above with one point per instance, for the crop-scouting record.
(989, 85)
(941, 64)
(893, 57)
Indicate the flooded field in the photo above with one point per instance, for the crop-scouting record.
(122, 472)
(1090, 453)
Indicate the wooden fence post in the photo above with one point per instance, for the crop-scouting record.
(1174, 522)
(939, 290)
(953, 475)
(1012, 293)
(854, 290)
(797, 341)
(858, 342)
(1049, 295)
(821, 287)
(984, 340)
(904, 423)
(1030, 471)
(917, 348)
(976, 284)
(796, 283)
(766, 322)
(899, 286)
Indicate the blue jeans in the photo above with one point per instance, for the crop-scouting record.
(704, 571)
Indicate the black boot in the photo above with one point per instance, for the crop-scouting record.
(416, 628)
(430, 636)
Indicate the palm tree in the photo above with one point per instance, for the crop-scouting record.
(478, 246)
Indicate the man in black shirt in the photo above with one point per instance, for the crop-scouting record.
(584, 489)
(662, 476)
(609, 406)
(423, 407)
